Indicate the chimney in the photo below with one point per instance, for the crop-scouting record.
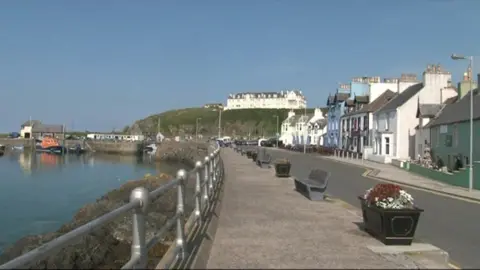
(291, 113)
(318, 113)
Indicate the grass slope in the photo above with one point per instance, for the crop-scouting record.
(256, 122)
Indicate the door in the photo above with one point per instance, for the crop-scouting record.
(387, 145)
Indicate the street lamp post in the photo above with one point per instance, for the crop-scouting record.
(305, 130)
(219, 109)
(276, 134)
(470, 171)
(220, 122)
(196, 128)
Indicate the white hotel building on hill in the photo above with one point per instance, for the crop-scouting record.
(293, 99)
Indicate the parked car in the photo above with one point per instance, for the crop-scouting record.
(14, 135)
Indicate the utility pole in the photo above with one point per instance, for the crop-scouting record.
(220, 122)
(158, 129)
(305, 130)
(196, 128)
(276, 133)
(470, 171)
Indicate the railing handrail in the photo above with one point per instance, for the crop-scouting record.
(140, 198)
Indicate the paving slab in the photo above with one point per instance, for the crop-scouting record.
(265, 223)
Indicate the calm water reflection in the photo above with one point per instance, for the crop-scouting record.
(40, 192)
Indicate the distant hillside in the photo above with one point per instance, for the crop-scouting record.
(255, 122)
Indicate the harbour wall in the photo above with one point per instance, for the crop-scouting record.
(126, 148)
(17, 142)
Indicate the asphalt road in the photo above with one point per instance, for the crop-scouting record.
(448, 223)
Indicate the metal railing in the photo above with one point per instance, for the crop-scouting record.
(209, 175)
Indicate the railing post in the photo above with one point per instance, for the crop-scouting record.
(180, 240)
(206, 186)
(220, 167)
(212, 169)
(139, 248)
(217, 175)
(198, 192)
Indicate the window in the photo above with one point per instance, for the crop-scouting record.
(387, 121)
(387, 145)
(437, 143)
(455, 135)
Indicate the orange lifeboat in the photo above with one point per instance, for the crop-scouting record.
(49, 142)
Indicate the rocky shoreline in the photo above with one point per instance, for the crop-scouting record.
(109, 247)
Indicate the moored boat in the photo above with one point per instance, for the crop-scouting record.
(77, 149)
(50, 145)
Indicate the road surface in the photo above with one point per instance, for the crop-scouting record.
(448, 223)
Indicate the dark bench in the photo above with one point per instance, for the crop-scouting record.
(264, 158)
(314, 186)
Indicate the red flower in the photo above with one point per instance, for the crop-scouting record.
(383, 191)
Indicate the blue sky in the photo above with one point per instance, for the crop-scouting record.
(100, 65)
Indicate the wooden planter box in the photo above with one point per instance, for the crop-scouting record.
(390, 226)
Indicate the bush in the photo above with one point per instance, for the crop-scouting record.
(440, 163)
(458, 163)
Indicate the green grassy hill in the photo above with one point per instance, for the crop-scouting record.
(256, 122)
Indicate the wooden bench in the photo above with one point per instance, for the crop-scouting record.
(314, 186)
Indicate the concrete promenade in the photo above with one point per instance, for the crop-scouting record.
(264, 223)
(448, 222)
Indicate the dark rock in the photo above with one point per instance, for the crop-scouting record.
(185, 152)
(109, 247)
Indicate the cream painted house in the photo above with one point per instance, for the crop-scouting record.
(290, 99)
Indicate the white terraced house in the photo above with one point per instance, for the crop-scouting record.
(300, 129)
(293, 99)
(356, 125)
(395, 123)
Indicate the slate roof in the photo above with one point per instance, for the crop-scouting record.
(429, 110)
(330, 100)
(31, 123)
(362, 99)
(377, 104)
(451, 100)
(320, 122)
(458, 112)
(339, 97)
(304, 118)
(403, 97)
(42, 128)
(324, 111)
(291, 120)
(349, 102)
